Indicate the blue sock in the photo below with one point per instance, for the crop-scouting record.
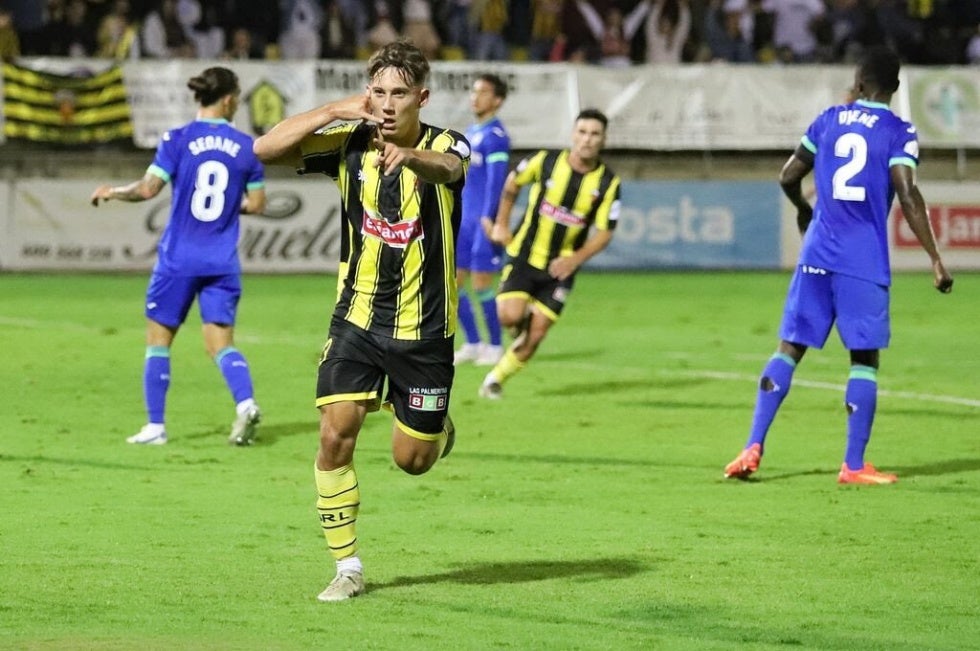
(861, 400)
(773, 386)
(235, 369)
(488, 301)
(156, 381)
(467, 320)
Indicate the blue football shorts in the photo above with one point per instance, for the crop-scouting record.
(818, 298)
(474, 251)
(169, 298)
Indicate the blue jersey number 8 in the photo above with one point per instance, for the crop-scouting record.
(208, 200)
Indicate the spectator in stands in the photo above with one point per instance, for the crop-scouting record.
(118, 35)
(382, 29)
(723, 33)
(545, 27)
(301, 24)
(28, 21)
(667, 29)
(68, 33)
(419, 27)
(491, 19)
(356, 16)
(794, 23)
(163, 36)
(973, 48)
(613, 32)
(849, 22)
(207, 34)
(9, 40)
(338, 39)
(241, 46)
(458, 30)
(262, 19)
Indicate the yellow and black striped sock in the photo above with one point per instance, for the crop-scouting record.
(507, 366)
(337, 504)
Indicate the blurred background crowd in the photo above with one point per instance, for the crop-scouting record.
(602, 32)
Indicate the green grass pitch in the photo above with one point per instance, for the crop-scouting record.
(585, 510)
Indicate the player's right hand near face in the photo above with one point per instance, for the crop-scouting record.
(355, 107)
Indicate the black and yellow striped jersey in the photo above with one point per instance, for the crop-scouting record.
(397, 273)
(562, 205)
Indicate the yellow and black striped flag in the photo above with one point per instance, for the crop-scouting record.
(65, 109)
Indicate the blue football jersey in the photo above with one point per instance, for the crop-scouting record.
(211, 166)
(490, 153)
(854, 147)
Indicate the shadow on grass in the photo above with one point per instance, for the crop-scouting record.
(267, 434)
(595, 388)
(949, 467)
(42, 460)
(522, 572)
(768, 477)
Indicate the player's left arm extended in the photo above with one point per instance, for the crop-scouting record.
(914, 209)
(146, 188)
(564, 266)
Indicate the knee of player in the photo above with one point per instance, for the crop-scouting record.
(415, 463)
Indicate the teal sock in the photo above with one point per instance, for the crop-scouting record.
(235, 370)
(861, 401)
(774, 384)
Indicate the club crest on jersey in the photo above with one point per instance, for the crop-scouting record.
(399, 235)
(428, 398)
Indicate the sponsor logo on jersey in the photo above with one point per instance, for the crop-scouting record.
(560, 214)
(399, 235)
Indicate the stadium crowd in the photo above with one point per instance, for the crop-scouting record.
(604, 32)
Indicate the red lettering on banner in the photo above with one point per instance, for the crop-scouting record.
(956, 227)
(398, 235)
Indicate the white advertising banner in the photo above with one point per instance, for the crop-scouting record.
(160, 100)
(52, 226)
(541, 103)
(689, 106)
(711, 106)
(945, 105)
(954, 210)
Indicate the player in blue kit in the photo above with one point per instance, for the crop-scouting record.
(862, 155)
(477, 258)
(216, 177)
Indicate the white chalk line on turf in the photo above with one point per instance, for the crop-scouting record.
(811, 384)
(707, 374)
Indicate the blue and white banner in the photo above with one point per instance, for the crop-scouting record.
(696, 224)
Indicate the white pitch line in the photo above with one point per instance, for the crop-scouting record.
(908, 395)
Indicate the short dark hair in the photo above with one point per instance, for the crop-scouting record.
(403, 56)
(879, 67)
(499, 85)
(213, 84)
(593, 114)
